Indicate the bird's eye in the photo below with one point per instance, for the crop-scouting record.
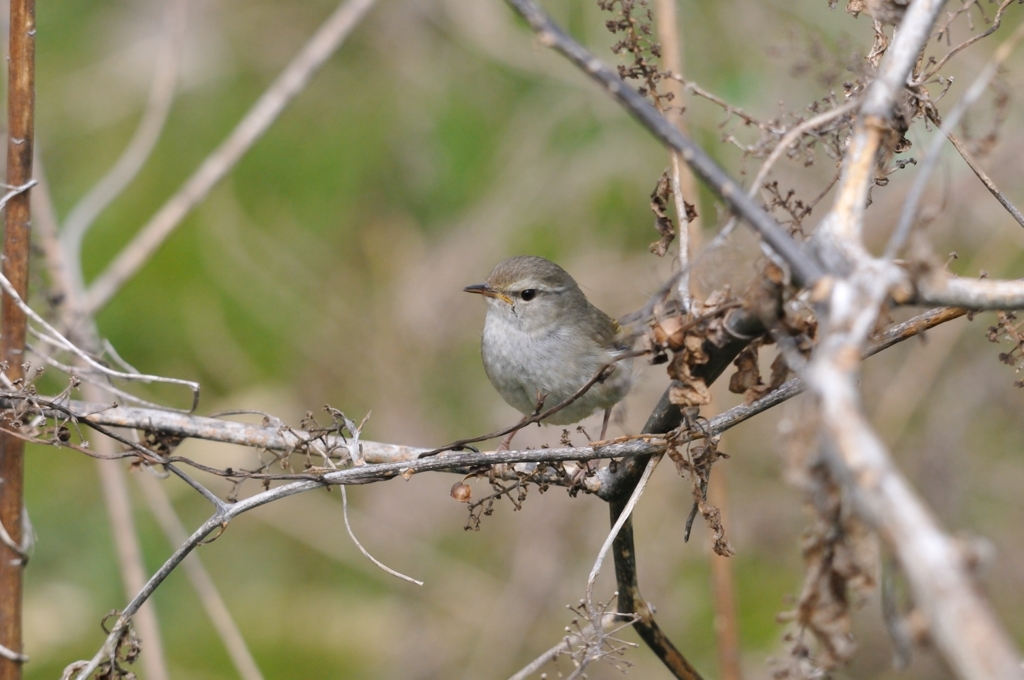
(528, 294)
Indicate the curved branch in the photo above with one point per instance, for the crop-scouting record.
(134, 156)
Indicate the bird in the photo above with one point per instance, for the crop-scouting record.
(543, 341)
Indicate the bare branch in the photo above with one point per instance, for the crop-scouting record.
(264, 112)
(941, 289)
(902, 231)
(135, 155)
(900, 58)
(616, 527)
(366, 553)
(838, 237)
(220, 617)
(805, 269)
(985, 179)
(65, 344)
(961, 622)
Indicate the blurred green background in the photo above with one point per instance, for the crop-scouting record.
(328, 267)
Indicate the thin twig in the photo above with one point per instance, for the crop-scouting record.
(996, 23)
(213, 603)
(606, 546)
(69, 346)
(985, 179)
(609, 623)
(682, 177)
(12, 655)
(723, 582)
(130, 561)
(806, 270)
(787, 141)
(601, 374)
(902, 231)
(264, 112)
(366, 553)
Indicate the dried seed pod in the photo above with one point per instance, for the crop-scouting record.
(461, 492)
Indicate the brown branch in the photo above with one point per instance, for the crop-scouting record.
(616, 488)
(684, 185)
(723, 583)
(630, 600)
(13, 325)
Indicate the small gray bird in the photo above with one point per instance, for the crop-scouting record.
(542, 337)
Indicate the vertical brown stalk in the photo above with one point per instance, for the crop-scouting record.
(724, 585)
(20, 127)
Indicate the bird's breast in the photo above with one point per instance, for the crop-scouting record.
(553, 362)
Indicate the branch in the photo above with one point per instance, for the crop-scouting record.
(961, 623)
(288, 85)
(942, 289)
(985, 179)
(202, 583)
(630, 601)
(161, 96)
(17, 237)
(275, 436)
(805, 269)
(837, 240)
(902, 231)
(900, 58)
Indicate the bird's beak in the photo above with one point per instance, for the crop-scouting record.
(487, 291)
